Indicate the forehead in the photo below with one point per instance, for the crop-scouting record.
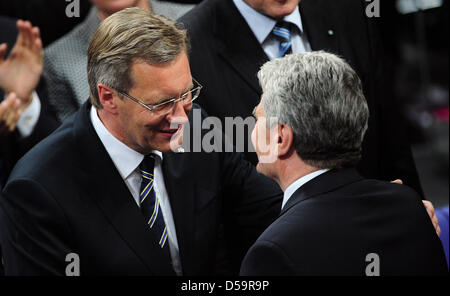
(167, 79)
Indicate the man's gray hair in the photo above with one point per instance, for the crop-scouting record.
(321, 98)
(127, 36)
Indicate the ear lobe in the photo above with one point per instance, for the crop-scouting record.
(285, 139)
(106, 96)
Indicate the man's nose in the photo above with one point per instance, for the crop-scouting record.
(178, 114)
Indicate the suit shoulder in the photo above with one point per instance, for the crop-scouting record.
(389, 189)
(294, 222)
(354, 199)
(74, 44)
(200, 18)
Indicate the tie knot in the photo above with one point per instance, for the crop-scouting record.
(147, 165)
(283, 24)
(282, 29)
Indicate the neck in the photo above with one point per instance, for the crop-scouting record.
(104, 13)
(292, 169)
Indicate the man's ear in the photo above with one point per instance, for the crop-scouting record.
(285, 140)
(106, 96)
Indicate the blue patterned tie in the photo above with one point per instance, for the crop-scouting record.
(150, 207)
(282, 31)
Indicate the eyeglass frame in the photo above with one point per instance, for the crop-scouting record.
(174, 100)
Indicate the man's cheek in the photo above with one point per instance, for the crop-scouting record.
(253, 137)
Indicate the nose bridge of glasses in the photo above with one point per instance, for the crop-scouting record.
(186, 97)
(168, 107)
(172, 106)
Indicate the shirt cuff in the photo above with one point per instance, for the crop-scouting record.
(29, 117)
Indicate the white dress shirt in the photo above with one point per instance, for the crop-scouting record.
(299, 183)
(127, 162)
(262, 25)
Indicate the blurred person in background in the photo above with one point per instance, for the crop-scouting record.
(25, 114)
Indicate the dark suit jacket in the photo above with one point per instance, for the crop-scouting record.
(66, 196)
(13, 146)
(331, 223)
(226, 56)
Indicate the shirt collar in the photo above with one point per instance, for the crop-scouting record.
(124, 158)
(262, 25)
(299, 183)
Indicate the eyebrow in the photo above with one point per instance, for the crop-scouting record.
(168, 98)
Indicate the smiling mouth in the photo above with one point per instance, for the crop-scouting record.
(171, 132)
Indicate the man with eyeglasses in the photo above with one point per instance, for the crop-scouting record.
(106, 195)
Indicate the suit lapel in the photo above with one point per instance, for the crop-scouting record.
(182, 196)
(112, 196)
(323, 183)
(237, 45)
(319, 25)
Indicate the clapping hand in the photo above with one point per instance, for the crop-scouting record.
(20, 72)
(9, 114)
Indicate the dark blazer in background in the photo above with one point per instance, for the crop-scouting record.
(66, 196)
(226, 56)
(13, 146)
(330, 224)
(38, 12)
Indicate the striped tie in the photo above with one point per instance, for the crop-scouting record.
(150, 207)
(281, 30)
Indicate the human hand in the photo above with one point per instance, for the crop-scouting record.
(9, 114)
(430, 210)
(20, 72)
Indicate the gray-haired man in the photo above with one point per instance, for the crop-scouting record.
(310, 124)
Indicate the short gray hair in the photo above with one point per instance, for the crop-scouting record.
(130, 35)
(321, 98)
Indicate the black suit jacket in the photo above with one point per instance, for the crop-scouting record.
(66, 196)
(13, 146)
(226, 56)
(331, 223)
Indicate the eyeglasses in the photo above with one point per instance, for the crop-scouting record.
(167, 106)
